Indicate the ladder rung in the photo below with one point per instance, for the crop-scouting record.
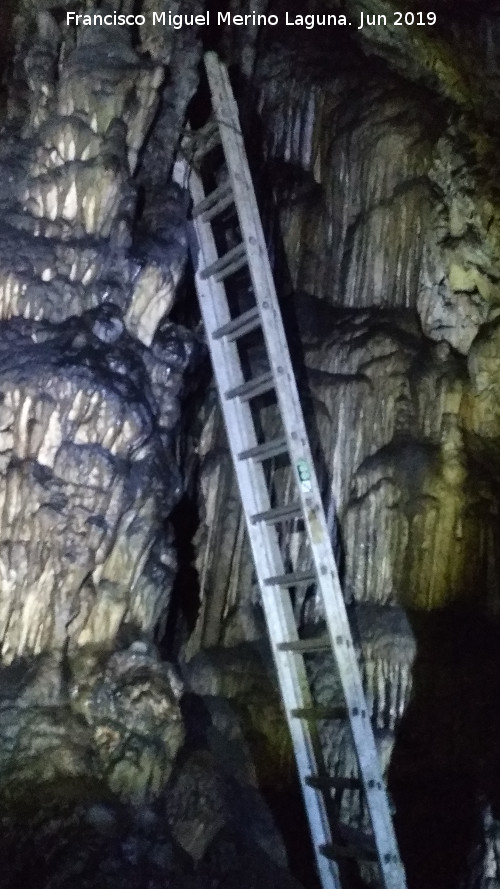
(252, 388)
(292, 579)
(239, 326)
(233, 267)
(278, 514)
(226, 265)
(326, 782)
(214, 203)
(266, 450)
(314, 714)
(208, 137)
(306, 646)
(360, 853)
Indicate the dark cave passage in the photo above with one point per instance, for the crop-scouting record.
(185, 600)
(443, 771)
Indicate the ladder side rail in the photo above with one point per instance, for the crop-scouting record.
(226, 113)
(277, 347)
(266, 552)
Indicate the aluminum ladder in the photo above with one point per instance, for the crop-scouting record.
(236, 393)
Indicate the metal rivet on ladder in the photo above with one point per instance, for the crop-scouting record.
(323, 569)
(279, 370)
(265, 304)
(339, 640)
(355, 711)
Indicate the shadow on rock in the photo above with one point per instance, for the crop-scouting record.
(444, 767)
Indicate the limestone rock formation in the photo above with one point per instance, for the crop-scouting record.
(90, 413)
(385, 241)
(83, 547)
(375, 151)
(93, 372)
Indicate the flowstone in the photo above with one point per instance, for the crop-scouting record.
(92, 373)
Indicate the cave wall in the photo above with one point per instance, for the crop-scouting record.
(89, 411)
(388, 239)
(376, 155)
(381, 154)
(113, 769)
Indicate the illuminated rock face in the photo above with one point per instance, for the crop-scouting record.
(89, 402)
(388, 238)
(89, 413)
(82, 468)
(390, 228)
(92, 375)
(71, 201)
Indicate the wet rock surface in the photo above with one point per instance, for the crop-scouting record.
(83, 463)
(385, 235)
(105, 779)
(379, 152)
(90, 722)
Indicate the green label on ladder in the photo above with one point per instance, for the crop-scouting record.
(305, 476)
